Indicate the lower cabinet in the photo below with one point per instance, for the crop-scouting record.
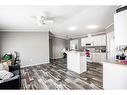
(103, 57)
(114, 76)
(98, 57)
(95, 57)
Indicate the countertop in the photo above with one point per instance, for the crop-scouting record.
(82, 53)
(114, 62)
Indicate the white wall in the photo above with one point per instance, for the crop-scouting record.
(58, 45)
(33, 47)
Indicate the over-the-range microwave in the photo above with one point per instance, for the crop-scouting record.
(89, 44)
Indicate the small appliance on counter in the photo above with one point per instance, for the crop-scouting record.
(121, 57)
(123, 53)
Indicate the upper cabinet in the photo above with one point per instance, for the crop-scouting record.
(83, 41)
(86, 41)
(120, 28)
(94, 41)
(99, 40)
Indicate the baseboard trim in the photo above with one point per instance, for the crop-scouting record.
(58, 58)
(33, 65)
(37, 63)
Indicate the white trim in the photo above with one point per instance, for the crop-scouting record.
(33, 65)
(58, 58)
(85, 35)
(24, 30)
(109, 26)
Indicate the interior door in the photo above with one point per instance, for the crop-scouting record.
(51, 48)
(74, 44)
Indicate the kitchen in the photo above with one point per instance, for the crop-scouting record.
(92, 47)
(107, 48)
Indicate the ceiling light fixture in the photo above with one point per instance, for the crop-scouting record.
(72, 28)
(92, 26)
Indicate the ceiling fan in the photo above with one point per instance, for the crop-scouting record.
(43, 20)
(46, 18)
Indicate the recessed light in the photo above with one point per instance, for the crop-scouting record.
(92, 26)
(72, 28)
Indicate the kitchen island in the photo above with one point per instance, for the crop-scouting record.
(114, 75)
(76, 61)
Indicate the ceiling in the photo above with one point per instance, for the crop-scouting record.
(19, 19)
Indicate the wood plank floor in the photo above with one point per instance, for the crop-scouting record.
(56, 76)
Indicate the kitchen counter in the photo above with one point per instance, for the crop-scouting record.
(114, 62)
(76, 61)
(114, 75)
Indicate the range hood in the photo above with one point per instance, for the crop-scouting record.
(120, 26)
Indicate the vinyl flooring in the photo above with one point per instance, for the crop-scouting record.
(55, 76)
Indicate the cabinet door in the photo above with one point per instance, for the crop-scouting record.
(93, 57)
(96, 41)
(83, 41)
(120, 28)
(87, 40)
(99, 40)
(102, 40)
(110, 45)
(96, 57)
(103, 57)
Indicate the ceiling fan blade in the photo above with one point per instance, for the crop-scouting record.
(47, 14)
(36, 17)
(57, 17)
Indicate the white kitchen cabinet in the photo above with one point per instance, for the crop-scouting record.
(99, 40)
(103, 40)
(94, 41)
(120, 28)
(114, 76)
(98, 57)
(111, 51)
(76, 61)
(110, 36)
(83, 41)
(103, 57)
